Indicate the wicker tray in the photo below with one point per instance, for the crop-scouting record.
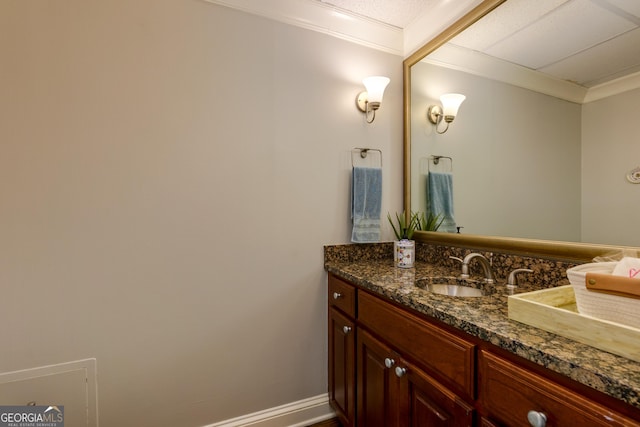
(555, 310)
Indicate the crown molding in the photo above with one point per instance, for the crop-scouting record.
(323, 18)
(461, 59)
(614, 87)
(317, 16)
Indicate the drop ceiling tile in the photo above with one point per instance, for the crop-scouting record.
(398, 13)
(629, 6)
(554, 39)
(602, 62)
(504, 21)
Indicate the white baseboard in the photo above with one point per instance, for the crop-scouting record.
(296, 414)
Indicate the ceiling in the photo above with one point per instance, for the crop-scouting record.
(398, 13)
(587, 42)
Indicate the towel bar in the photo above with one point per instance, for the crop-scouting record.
(436, 160)
(363, 154)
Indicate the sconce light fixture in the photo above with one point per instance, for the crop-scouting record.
(450, 104)
(369, 101)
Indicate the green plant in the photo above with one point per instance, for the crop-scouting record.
(429, 222)
(405, 228)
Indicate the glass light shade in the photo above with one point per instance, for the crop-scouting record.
(375, 87)
(450, 103)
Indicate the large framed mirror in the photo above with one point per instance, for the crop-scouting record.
(517, 148)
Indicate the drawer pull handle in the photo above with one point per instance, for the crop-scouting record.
(336, 295)
(537, 419)
(400, 372)
(388, 362)
(346, 329)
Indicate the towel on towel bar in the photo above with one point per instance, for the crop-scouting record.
(440, 197)
(366, 202)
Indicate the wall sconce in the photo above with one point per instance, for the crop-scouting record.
(450, 104)
(369, 101)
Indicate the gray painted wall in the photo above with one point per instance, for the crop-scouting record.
(170, 173)
(610, 150)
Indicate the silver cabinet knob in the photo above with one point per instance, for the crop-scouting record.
(537, 419)
(336, 295)
(346, 329)
(389, 362)
(400, 372)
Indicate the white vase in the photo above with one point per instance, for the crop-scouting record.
(404, 253)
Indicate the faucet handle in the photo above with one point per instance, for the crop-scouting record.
(513, 276)
(457, 258)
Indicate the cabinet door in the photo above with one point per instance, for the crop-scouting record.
(375, 382)
(342, 367)
(394, 393)
(426, 403)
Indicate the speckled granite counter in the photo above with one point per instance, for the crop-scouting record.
(486, 318)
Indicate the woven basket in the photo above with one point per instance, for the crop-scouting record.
(613, 308)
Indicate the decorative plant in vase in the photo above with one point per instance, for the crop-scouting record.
(404, 249)
(404, 228)
(429, 221)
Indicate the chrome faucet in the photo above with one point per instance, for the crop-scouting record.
(486, 266)
(512, 281)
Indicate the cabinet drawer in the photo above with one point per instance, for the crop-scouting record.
(447, 357)
(508, 392)
(342, 295)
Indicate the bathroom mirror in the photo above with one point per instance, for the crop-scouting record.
(526, 230)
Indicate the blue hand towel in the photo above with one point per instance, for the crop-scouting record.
(366, 202)
(440, 199)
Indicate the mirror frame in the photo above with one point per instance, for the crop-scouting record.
(578, 252)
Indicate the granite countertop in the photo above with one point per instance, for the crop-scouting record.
(486, 318)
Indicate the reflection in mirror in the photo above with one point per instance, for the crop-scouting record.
(500, 142)
(539, 158)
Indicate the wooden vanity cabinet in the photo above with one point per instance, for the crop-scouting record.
(371, 384)
(342, 336)
(389, 367)
(393, 392)
(486, 423)
(510, 394)
(448, 358)
(398, 357)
